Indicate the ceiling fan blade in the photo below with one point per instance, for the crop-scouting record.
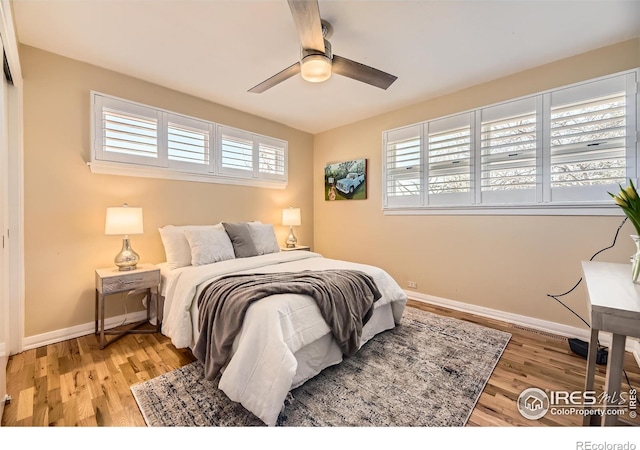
(290, 71)
(306, 15)
(346, 67)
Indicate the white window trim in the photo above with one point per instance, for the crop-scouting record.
(176, 170)
(131, 170)
(542, 204)
(519, 210)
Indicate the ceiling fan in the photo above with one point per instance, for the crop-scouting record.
(317, 62)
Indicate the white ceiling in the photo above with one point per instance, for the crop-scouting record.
(217, 49)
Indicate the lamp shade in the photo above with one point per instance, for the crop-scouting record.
(291, 217)
(123, 220)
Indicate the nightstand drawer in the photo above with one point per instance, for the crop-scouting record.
(112, 281)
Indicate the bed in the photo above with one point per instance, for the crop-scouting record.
(284, 340)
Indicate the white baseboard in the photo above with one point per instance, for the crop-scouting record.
(632, 345)
(53, 337)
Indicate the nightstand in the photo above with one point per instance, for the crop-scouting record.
(114, 281)
(297, 247)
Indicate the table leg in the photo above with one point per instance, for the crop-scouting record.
(589, 419)
(613, 382)
(103, 342)
(159, 312)
(96, 308)
(149, 300)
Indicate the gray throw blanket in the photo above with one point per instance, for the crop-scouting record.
(345, 299)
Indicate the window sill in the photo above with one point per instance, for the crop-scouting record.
(131, 170)
(587, 209)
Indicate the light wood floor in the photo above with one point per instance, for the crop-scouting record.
(74, 383)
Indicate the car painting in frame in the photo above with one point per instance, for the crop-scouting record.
(346, 180)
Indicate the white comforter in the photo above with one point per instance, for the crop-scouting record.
(263, 366)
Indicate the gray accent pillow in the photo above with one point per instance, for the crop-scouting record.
(209, 246)
(241, 239)
(264, 238)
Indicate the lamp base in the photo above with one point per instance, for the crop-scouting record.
(291, 241)
(127, 259)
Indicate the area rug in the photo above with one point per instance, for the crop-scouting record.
(428, 371)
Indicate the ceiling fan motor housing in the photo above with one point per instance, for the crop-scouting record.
(304, 52)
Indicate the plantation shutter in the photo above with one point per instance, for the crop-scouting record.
(132, 139)
(248, 155)
(403, 166)
(272, 159)
(188, 143)
(508, 160)
(588, 142)
(126, 132)
(236, 152)
(449, 157)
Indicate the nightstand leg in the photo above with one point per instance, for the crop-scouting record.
(103, 343)
(149, 300)
(159, 312)
(96, 308)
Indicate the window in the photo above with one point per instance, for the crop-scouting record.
(559, 151)
(236, 149)
(248, 155)
(272, 159)
(590, 141)
(508, 142)
(133, 139)
(189, 143)
(127, 132)
(130, 135)
(404, 166)
(449, 159)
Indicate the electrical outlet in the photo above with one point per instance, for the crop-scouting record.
(412, 284)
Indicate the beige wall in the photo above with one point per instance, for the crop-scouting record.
(507, 263)
(65, 203)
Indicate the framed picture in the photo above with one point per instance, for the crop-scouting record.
(346, 180)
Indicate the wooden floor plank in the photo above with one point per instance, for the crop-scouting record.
(102, 414)
(74, 383)
(25, 402)
(55, 406)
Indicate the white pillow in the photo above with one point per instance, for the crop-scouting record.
(264, 238)
(176, 246)
(209, 246)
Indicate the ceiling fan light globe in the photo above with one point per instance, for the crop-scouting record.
(315, 68)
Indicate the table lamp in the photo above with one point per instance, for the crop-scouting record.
(291, 217)
(124, 220)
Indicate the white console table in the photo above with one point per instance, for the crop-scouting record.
(614, 307)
